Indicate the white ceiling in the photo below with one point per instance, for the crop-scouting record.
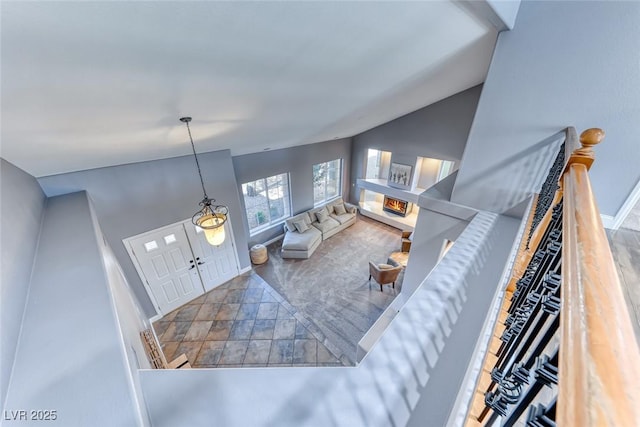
(87, 85)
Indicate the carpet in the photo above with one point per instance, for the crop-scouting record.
(331, 289)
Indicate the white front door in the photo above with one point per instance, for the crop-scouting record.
(216, 264)
(169, 267)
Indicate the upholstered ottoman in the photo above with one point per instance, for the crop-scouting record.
(259, 254)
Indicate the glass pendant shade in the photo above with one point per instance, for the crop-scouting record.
(213, 227)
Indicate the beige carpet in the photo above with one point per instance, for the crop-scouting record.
(331, 288)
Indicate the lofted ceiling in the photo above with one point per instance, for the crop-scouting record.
(95, 84)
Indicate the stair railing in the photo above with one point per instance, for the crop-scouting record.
(563, 352)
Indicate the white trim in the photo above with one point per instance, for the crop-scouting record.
(275, 239)
(264, 227)
(609, 222)
(615, 222)
(136, 265)
(246, 269)
(327, 201)
(127, 239)
(155, 318)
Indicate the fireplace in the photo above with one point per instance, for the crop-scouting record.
(395, 206)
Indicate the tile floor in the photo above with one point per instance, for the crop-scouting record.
(243, 323)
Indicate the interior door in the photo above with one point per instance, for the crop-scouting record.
(217, 264)
(169, 267)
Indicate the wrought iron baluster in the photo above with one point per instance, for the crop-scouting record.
(547, 191)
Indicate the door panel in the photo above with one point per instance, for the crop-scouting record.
(217, 264)
(159, 267)
(178, 258)
(167, 263)
(169, 291)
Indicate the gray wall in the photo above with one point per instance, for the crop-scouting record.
(564, 64)
(298, 161)
(130, 318)
(507, 10)
(438, 131)
(432, 228)
(22, 202)
(138, 197)
(70, 356)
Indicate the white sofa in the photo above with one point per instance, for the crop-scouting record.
(304, 232)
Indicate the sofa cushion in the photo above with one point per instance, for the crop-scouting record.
(301, 241)
(303, 216)
(385, 266)
(301, 226)
(313, 212)
(328, 225)
(322, 215)
(335, 202)
(346, 217)
(339, 209)
(351, 208)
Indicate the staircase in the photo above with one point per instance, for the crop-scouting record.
(561, 351)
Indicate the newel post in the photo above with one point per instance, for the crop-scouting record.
(585, 155)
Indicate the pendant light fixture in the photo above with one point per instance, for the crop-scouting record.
(210, 218)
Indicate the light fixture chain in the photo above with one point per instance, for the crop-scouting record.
(197, 163)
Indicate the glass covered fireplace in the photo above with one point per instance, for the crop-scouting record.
(395, 206)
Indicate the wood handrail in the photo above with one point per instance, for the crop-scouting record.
(599, 365)
(571, 143)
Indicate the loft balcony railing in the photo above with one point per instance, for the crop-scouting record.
(563, 352)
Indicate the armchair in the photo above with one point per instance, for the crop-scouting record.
(406, 240)
(384, 273)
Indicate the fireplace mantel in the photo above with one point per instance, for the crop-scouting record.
(375, 210)
(380, 186)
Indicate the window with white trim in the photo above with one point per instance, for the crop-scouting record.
(327, 181)
(267, 201)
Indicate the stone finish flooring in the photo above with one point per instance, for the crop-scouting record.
(332, 289)
(625, 247)
(242, 323)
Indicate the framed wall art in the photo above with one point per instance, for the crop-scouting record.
(400, 175)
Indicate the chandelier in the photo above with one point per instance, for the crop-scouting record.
(210, 218)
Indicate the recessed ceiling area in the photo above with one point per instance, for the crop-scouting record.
(95, 84)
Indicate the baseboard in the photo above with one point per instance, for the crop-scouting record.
(275, 239)
(609, 222)
(614, 222)
(155, 318)
(245, 270)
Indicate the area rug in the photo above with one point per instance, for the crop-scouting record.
(331, 289)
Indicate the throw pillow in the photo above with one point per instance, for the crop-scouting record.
(339, 209)
(301, 226)
(385, 266)
(322, 216)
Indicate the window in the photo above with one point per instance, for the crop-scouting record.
(378, 163)
(327, 181)
(150, 246)
(445, 169)
(267, 201)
